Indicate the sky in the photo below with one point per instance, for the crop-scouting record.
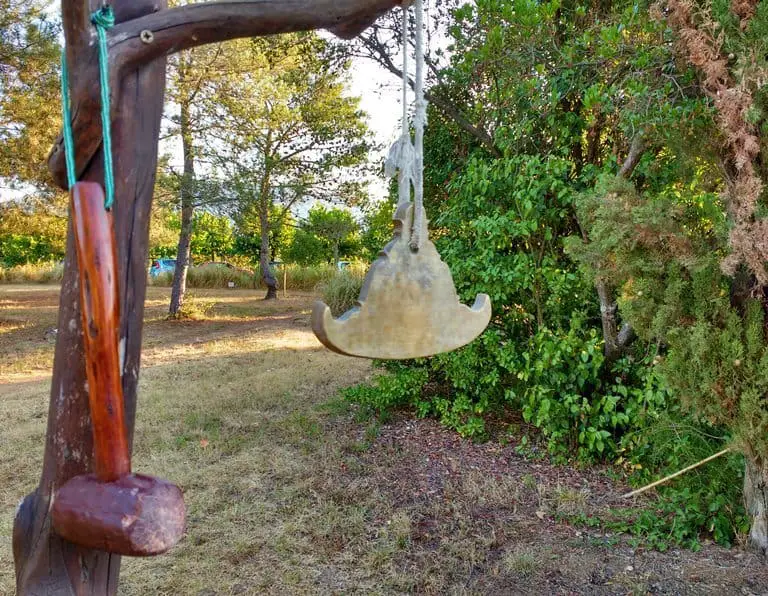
(381, 98)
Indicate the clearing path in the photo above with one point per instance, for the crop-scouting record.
(288, 494)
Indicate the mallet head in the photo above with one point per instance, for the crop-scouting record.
(135, 515)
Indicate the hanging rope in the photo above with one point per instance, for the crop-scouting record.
(420, 120)
(102, 19)
(66, 113)
(404, 156)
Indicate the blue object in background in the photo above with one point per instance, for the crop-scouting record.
(160, 266)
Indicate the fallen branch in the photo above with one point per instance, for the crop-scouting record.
(639, 491)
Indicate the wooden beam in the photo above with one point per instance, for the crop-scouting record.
(141, 40)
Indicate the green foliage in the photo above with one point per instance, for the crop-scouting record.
(377, 228)
(707, 499)
(212, 236)
(388, 391)
(29, 91)
(20, 249)
(326, 236)
(306, 249)
(526, 206)
(31, 234)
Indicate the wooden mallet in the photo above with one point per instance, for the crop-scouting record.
(111, 510)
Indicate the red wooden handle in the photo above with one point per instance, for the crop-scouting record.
(100, 308)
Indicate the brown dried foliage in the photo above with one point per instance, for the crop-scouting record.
(702, 47)
(745, 9)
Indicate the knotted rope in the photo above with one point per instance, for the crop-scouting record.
(405, 156)
(102, 19)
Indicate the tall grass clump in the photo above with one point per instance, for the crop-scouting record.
(340, 292)
(293, 277)
(210, 277)
(298, 277)
(39, 273)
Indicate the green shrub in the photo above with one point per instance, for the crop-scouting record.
(386, 392)
(21, 249)
(704, 501)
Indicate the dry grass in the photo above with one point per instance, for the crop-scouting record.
(288, 494)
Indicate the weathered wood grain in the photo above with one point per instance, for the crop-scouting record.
(46, 564)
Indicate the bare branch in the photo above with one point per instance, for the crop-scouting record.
(636, 150)
(448, 108)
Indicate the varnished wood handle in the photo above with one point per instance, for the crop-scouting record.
(100, 309)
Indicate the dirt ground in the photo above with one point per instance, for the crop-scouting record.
(288, 493)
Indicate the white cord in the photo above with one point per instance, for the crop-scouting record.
(404, 157)
(420, 120)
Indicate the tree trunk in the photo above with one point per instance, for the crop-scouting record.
(335, 254)
(46, 564)
(756, 501)
(616, 341)
(264, 260)
(608, 311)
(179, 286)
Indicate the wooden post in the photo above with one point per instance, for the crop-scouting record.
(145, 33)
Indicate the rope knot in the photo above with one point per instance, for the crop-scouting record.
(401, 157)
(104, 17)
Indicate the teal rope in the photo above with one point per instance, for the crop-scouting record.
(66, 112)
(103, 19)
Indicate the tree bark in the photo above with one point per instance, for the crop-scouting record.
(264, 260)
(608, 311)
(46, 564)
(756, 501)
(179, 286)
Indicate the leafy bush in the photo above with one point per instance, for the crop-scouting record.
(21, 249)
(386, 392)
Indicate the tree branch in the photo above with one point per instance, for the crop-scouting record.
(146, 38)
(636, 150)
(616, 341)
(486, 140)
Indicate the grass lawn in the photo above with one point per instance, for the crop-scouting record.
(288, 493)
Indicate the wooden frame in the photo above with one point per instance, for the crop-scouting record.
(145, 33)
